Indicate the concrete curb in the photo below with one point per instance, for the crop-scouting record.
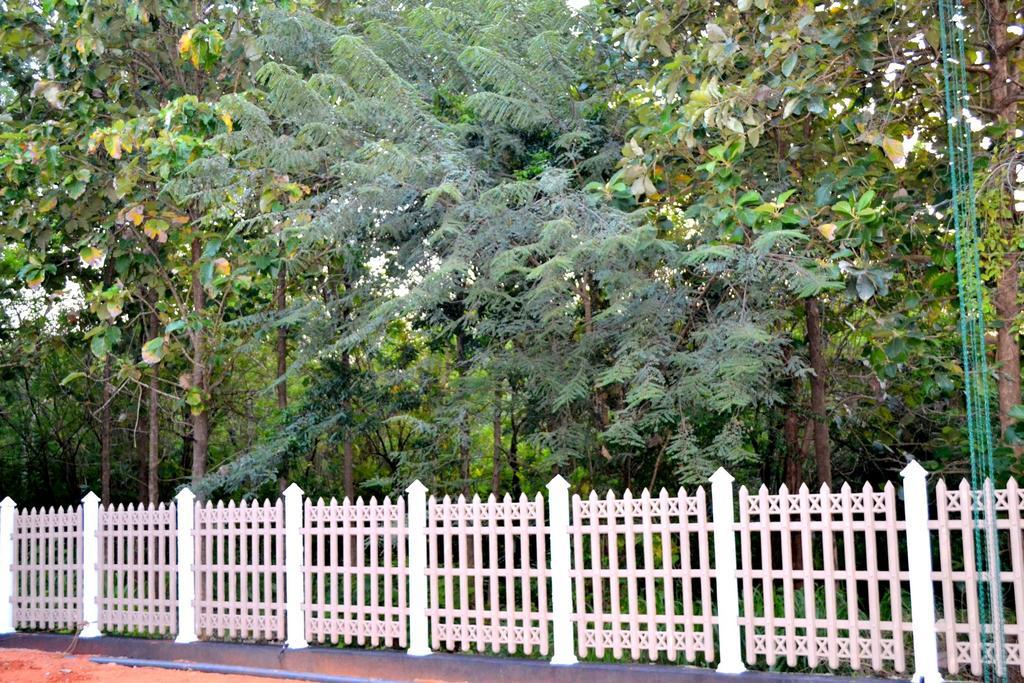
(394, 665)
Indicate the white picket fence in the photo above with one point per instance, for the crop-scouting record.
(826, 579)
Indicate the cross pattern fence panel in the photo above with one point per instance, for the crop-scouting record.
(642, 573)
(47, 569)
(356, 571)
(240, 571)
(488, 577)
(957, 602)
(138, 569)
(824, 578)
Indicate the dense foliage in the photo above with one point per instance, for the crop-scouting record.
(478, 242)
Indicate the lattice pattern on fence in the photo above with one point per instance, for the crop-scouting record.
(825, 578)
(956, 595)
(626, 550)
(138, 569)
(356, 571)
(240, 570)
(488, 574)
(846, 547)
(47, 569)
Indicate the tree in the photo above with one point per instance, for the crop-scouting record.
(846, 131)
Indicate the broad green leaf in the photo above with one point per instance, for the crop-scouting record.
(153, 351)
(789, 64)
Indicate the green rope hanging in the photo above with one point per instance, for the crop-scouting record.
(972, 333)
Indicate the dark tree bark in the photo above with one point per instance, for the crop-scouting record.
(107, 396)
(152, 410)
(200, 373)
(141, 464)
(816, 353)
(1007, 344)
(1005, 93)
(347, 449)
(153, 432)
(793, 474)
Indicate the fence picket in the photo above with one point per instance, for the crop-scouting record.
(807, 560)
(1013, 509)
(970, 568)
(668, 579)
(650, 598)
(561, 607)
(704, 572)
(874, 604)
(525, 578)
(895, 586)
(597, 578)
(747, 577)
(476, 529)
(788, 600)
(630, 578)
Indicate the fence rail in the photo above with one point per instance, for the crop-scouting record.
(866, 579)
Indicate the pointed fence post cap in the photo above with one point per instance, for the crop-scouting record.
(293, 490)
(185, 495)
(416, 487)
(721, 477)
(558, 483)
(91, 498)
(8, 502)
(914, 471)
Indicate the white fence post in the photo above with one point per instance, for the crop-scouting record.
(417, 527)
(919, 556)
(730, 654)
(7, 509)
(90, 566)
(561, 567)
(295, 589)
(186, 510)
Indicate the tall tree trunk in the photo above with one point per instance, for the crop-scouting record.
(795, 455)
(815, 347)
(347, 465)
(153, 450)
(496, 454)
(793, 474)
(513, 453)
(200, 374)
(105, 432)
(1007, 344)
(141, 463)
(1006, 91)
(153, 409)
(106, 396)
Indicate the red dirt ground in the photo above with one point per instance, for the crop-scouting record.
(33, 666)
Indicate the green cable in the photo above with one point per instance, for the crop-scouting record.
(970, 289)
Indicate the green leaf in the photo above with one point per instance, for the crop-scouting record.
(153, 351)
(789, 64)
(71, 377)
(865, 200)
(99, 346)
(750, 197)
(47, 204)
